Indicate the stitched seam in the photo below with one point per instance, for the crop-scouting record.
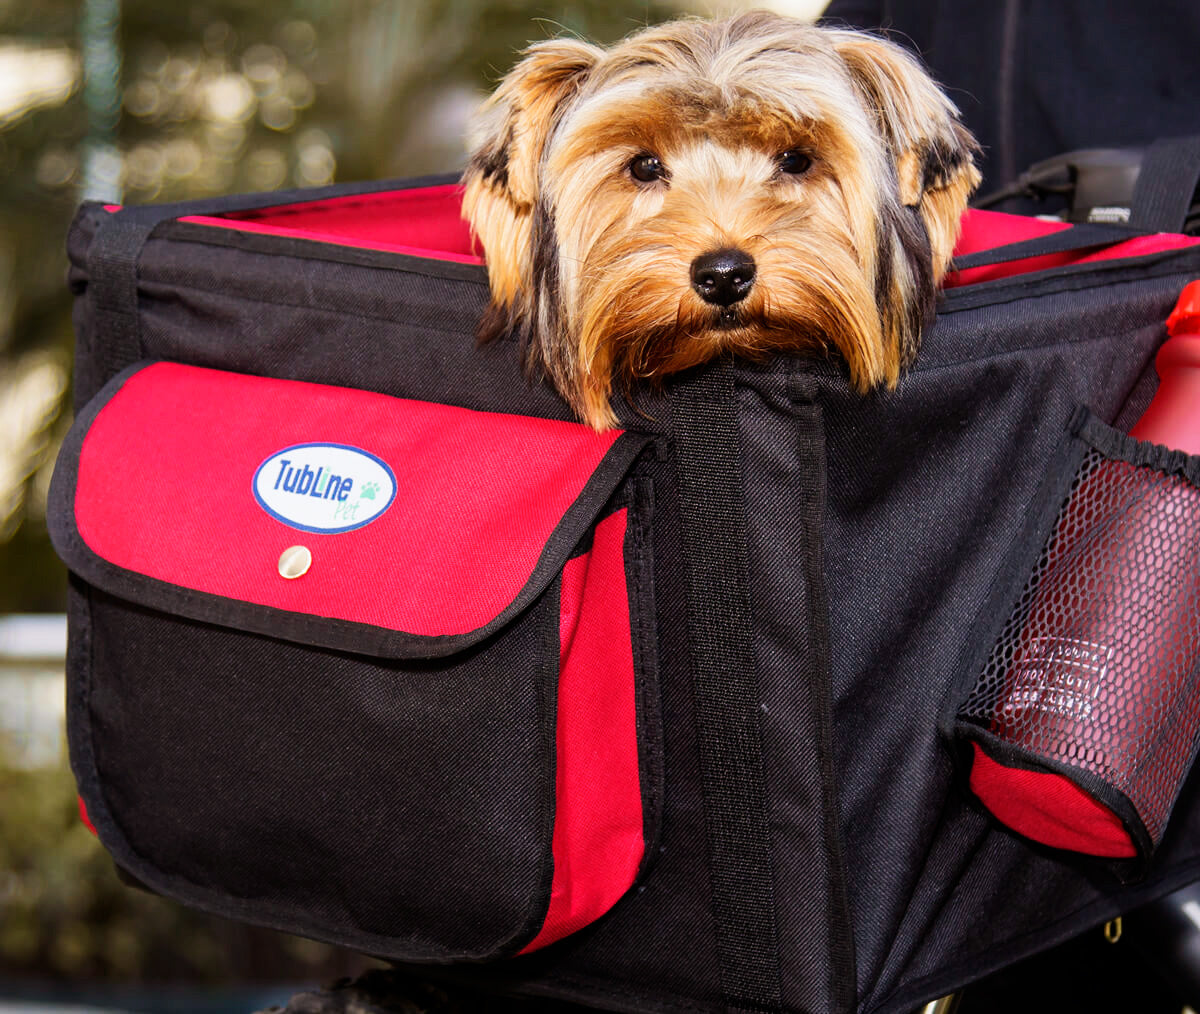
(1009, 353)
(341, 311)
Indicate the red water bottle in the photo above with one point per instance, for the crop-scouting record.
(1098, 713)
(1173, 417)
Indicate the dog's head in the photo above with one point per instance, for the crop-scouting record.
(749, 185)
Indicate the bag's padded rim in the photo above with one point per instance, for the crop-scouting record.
(1071, 278)
(290, 246)
(169, 225)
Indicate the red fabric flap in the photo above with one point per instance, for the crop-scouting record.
(420, 518)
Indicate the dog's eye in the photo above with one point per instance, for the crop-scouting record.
(793, 162)
(647, 169)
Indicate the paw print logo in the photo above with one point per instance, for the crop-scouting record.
(369, 490)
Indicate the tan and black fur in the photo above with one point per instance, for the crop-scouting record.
(593, 267)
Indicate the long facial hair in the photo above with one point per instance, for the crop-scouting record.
(590, 267)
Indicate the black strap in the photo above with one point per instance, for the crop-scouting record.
(112, 261)
(725, 687)
(1164, 194)
(229, 203)
(1078, 237)
(1166, 185)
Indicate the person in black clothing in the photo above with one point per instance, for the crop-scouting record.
(1037, 78)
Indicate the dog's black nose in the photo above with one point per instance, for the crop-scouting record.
(723, 277)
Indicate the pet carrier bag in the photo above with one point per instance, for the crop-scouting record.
(371, 642)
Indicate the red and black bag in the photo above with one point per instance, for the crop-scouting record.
(370, 641)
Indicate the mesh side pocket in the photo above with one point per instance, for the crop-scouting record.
(1085, 718)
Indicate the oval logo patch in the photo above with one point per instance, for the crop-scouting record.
(326, 488)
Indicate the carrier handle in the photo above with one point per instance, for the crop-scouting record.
(1150, 189)
(112, 265)
(1166, 185)
(1079, 237)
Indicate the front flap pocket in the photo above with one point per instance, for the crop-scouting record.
(368, 669)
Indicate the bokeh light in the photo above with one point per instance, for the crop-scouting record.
(139, 101)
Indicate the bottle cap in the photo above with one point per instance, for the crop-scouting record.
(1185, 318)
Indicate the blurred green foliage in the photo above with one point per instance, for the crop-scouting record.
(220, 97)
(66, 916)
(217, 96)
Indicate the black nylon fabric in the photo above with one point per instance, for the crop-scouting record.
(934, 483)
(784, 466)
(726, 690)
(925, 496)
(657, 949)
(328, 823)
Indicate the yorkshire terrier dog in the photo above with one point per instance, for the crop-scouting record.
(749, 186)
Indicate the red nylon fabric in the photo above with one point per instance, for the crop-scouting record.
(165, 489)
(1048, 808)
(598, 833)
(423, 222)
(83, 815)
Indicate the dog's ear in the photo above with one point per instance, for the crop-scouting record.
(508, 137)
(917, 219)
(933, 153)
